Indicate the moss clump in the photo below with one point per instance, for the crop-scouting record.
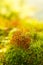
(19, 56)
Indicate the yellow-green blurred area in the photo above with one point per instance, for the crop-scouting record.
(18, 13)
(21, 34)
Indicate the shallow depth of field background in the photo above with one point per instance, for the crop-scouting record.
(21, 32)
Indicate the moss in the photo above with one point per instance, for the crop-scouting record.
(19, 56)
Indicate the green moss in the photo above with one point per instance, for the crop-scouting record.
(18, 56)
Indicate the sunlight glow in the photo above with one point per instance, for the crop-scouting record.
(14, 5)
(0, 50)
(3, 50)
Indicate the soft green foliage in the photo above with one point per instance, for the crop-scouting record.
(16, 57)
(37, 53)
(19, 56)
